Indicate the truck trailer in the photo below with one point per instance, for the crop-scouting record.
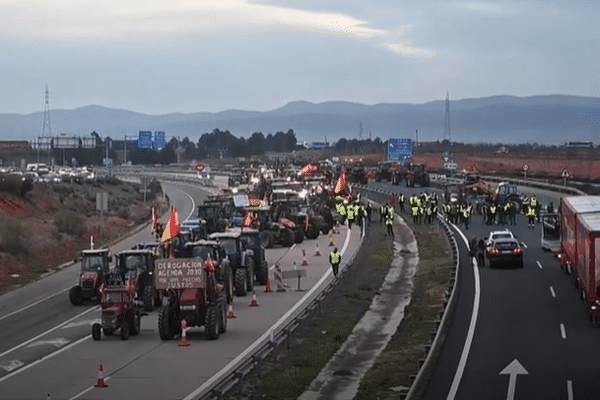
(580, 248)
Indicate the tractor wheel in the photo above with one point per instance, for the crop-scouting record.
(124, 331)
(96, 331)
(223, 315)
(135, 324)
(271, 240)
(228, 284)
(287, 237)
(75, 295)
(312, 232)
(212, 321)
(262, 273)
(250, 275)
(165, 323)
(148, 298)
(298, 236)
(108, 332)
(325, 229)
(241, 282)
(263, 237)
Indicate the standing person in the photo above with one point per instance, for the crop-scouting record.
(341, 209)
(350, 214)
(512, 213)
(492, 214)
(531, 216)
(480, 252)
(335, 258)
(382, 213)
(467, 216)
(473, 246)
(389, 223)
(368, 210)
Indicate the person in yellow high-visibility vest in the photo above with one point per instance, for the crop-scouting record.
(531, 216)
(335, 258)
(350, 214)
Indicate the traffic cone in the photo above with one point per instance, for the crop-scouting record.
(331, 244)
(230, 313)
(304, 262)
(254, 303)
(317, 252)
(100, 382)
(184, 342)
(268, 288)
(338, 227)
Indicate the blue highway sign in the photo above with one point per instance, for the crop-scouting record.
(399, 149)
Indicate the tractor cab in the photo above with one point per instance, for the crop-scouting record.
(95, 266)
(138, 265)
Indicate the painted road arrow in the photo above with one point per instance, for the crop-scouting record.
(513, 369)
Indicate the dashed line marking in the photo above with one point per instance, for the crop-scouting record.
(11, 365)
(563, 333)
(570, 390)
(552, 291)
(539, 264)
(58, 342)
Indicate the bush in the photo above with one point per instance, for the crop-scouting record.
(14, 237)
(70, 222)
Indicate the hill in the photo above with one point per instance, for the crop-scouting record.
(499, 119)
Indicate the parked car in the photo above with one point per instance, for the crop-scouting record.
(505, 251)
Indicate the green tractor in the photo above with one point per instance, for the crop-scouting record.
(139, 266)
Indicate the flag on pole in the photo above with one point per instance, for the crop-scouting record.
(340, 186)
(172, 229)
(308, 169)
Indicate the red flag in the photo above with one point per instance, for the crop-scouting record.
(172, 229)
(340, 186)
(308, 169)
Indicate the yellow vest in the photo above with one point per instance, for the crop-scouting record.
(335, 258)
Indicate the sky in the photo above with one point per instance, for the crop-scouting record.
(183, 56)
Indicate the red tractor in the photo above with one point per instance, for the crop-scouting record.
(119, 308)
(95, 265)
(194, 296)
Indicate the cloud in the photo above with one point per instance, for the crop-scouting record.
(409, 50)
(481, 7)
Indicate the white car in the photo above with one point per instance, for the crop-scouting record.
(495, 235)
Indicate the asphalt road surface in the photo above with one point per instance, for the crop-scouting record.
(46, 346)
(516, 333)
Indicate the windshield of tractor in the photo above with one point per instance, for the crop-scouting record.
(92, 263)
(203, 252)
(229, 245)
(250, 242)
(134, 262)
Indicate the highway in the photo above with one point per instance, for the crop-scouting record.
(46, 346)
(516, 333)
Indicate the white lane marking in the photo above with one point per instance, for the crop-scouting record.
(513, 369)
(294, 245)
(80, 323)
(49, 330)
(563, 333)
(11, 365)
(47, 357)
(570, 390)
(552, 291)
(58, 342)
(539, 264)
(236, 361)
(523, 244)
(33, 304)
(465, 353)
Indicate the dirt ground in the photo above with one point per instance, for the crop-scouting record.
(53, 222)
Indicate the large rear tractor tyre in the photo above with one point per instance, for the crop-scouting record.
(124, 331)
(75, 295)
(263, 237)
(166, 323)
(241, 282)
(158, 299)
(96, 331)
(298, 236)
(312, 232)
(262, 273)
(136, 324)
(213, 321)
(287, 237)
(250, 275)
(228, 284)
(148, 298)
(223, 316)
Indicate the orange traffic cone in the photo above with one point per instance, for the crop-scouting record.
(338, 228)
(254, 303)
(268, 288)
(331, 244)
(230, 313)
(184, 342)
(317, 252)
(100, 382)
(304, 262)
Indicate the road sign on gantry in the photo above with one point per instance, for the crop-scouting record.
(399, 149)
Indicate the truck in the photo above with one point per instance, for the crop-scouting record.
(579, 242)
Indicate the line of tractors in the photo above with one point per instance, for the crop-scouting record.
(217, 256)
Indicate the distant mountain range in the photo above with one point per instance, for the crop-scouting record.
(546, 120)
